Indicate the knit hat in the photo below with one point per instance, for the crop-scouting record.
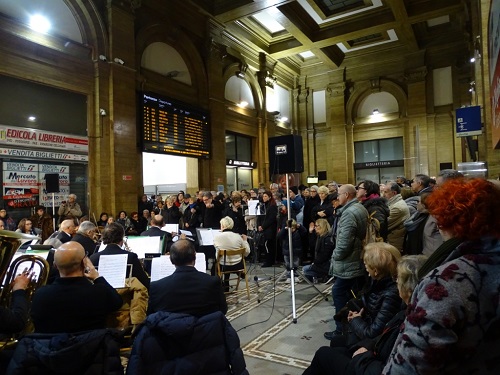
(294, 189)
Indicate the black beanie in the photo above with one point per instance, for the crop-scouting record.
(294, 189)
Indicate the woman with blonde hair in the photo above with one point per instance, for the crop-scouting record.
(323, 250)
(379, 302)
(370, 355)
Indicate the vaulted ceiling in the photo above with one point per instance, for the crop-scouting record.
(330, 34)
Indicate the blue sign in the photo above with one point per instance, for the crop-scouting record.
(468, 121)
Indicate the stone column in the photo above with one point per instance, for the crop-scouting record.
(212, 172)
(306, 128)
(417, 135)
(114, 155)
(341, 155)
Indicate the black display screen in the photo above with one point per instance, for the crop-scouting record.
(172, 127)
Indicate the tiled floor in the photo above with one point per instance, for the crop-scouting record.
(271, 342)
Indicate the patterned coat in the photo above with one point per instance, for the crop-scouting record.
(453, 323)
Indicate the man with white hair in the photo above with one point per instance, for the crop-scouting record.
(85, 236)
(68, 229)
(69, 209)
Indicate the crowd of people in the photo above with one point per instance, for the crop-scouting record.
(426, 289)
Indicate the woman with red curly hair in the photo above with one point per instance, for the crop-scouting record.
(453, 321)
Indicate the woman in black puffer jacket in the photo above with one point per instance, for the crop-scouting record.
(380, 302)
(369, 196)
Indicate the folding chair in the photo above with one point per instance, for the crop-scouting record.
(222, 269)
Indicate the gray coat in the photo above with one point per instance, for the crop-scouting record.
(351, 230)
(399, 213)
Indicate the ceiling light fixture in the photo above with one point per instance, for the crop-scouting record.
(39, 23)
(242, 104)
(32, 118)
(376, 111)
(472, 59)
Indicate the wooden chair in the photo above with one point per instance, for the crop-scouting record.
(221, 255)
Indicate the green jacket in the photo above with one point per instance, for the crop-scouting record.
(346, 260)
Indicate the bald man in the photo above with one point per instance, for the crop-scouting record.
(79, 300)
(68, 229)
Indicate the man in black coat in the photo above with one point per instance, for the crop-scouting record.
(85, 236)
(187, 290)
(155, 231)
(68, 229)
(112, 237)
(79, 300)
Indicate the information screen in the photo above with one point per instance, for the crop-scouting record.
(171, 127)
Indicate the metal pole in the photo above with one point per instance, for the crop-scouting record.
(54, 213)
(290, 249)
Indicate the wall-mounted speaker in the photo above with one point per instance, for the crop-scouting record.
(285, 154)
(52, 182)
(322, 175)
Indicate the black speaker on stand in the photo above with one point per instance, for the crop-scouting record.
(52, 182)
(52, 186)
(286, 154)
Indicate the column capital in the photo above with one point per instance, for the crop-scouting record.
(336, 89)
(301, 94)
(416, 75)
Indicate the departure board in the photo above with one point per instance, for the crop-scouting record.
(171, 127)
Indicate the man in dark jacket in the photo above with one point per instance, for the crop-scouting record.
(112, 237)
(79, 300)
(173, 343)
(85, 236)
(155, 231)
(187, 290)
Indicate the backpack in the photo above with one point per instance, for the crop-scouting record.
(372, 230)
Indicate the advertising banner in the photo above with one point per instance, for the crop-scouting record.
(63, 171)
(39, 154)
(20, 184)
(34, 138)
(494, 64)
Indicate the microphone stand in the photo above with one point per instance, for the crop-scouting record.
(291, 268)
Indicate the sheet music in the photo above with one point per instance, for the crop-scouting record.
(143, 244)
(114, 269)
(170, 228)
(255, 207)
(186, 232)
(206, 236)
(162, 266)
(200, 263)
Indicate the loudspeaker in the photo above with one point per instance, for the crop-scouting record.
(52, 182)
(285, 154)
(322, 175)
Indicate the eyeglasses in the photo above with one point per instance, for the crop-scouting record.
(316, 226)
(360, 188)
